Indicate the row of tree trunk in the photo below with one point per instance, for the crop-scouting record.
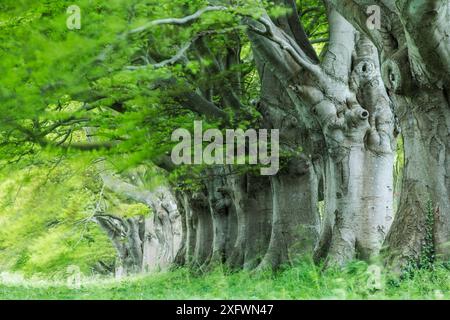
(143, 243)
(339, 118)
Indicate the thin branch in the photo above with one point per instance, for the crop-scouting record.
(178, 21)
(178, 56)
(199, 104)
(181, 53)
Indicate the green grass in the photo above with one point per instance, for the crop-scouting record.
(304, 281)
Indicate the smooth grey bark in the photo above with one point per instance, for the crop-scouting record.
(232, 221)
(359, 172)
(343, 99)
(229, 221)
(223, 214)
(425, 184)
(143, 243)
(204, 235)
(186, 253)
(414, 50)
(199, 228)
(163, 233)
(252, 198)
(181, 255)
(359, 166)
(295, 219)
(295, 222)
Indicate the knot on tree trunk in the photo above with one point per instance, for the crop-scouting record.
(396, 72)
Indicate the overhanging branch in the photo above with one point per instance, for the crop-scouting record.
(178, 21)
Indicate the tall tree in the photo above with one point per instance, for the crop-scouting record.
(315, 70)
(345, 97)
(414, 51)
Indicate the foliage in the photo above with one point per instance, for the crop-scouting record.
(428, 251)
(56, 81)
(45, 220)
(427, 259)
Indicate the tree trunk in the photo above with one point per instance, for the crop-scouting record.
(223, 213)
(425, 203)
(181, 254)
(143, 243)
(201, 221)
(359, 200)
(126, 236)
(163, 235)
(415, 51)
(295, 221)
(344, 99)
(358, 126)
(252, 198)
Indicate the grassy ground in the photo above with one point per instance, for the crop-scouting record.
(304, 281)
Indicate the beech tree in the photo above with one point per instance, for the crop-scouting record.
(345, 97)
(338, 87)
(143, 243)
(413, 41)
(339, 103)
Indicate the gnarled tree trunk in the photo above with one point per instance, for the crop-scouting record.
(252, 199)
(415, 51)
(344, 99)
(143, 243)
(127, 237)
(359, 166)
(425, 199)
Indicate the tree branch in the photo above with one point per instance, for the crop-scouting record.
(427, 24)
(178, 21)
(198, 104)
(291, 24)
(355, 12)
(275, 46)
(338, 58)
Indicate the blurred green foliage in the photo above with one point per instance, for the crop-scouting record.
(45, 220)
